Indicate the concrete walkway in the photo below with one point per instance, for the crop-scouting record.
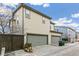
(44, 50)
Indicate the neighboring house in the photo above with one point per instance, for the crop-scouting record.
(55, 36)
(78, 36)
(68, 33)
(35, 26)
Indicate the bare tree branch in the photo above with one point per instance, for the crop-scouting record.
(4, 22)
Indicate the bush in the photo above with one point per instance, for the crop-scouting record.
(65, 39)
(61, 43)
(28, 47)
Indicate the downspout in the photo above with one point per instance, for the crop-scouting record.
(23, 26)
(22, 20)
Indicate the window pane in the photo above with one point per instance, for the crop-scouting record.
(43, 20)
(27, 13)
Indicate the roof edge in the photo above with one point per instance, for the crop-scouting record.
(56, 32)
(30, 8)
(66, 27)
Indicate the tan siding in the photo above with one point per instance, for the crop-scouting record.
(35, 25)
(77, 36)
(18, 17)
(52, 27)
(56, 34)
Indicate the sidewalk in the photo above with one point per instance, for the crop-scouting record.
(44, 50)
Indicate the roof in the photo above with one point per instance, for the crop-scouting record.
(56, 32)
(66, 27)
(30, 8)
(52, 22)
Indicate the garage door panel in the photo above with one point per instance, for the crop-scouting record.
(55, 40)
(37, 40)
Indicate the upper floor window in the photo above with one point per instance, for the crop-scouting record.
(57, 30)
(43, 20)
(16, 17)
(14, 22)
(27, 13)
(17, 21)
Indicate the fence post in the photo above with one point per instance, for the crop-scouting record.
(24, 39)
(2, 51)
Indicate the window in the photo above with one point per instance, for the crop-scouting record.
(17, 22)
(14, 22)
(27, 13)
(50, 27)
(16, 17)
(43, 20)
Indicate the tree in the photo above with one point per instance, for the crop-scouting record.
(4, 25)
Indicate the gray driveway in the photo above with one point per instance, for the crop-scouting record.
(73, 51)
(48, 50)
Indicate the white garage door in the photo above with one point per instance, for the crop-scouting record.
(55, 40)
(37, 40)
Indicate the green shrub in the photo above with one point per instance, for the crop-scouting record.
(65, 39)
(61, 43)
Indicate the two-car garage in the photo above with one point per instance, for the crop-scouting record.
(37, 40)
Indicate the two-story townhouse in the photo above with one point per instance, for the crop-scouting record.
(68, 33)
(34, 25)
(77, 36)
(55, 36)
(72, 35)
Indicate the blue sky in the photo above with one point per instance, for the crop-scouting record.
(63, 14)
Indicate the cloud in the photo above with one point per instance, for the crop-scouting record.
(11, 4)
(6, 9)
(41, 4)
(73, 25)
(36, 4)
(76, 15)
(77, 29)
(67, 22)
(63, 20)
(46, 5)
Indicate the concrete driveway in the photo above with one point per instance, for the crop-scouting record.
(45, 50)
(72, 51)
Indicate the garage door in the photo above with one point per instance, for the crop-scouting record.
(55, 40)
(37, 40)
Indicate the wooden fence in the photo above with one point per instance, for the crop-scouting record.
(11, 42)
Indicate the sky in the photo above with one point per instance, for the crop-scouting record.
(63, 14)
